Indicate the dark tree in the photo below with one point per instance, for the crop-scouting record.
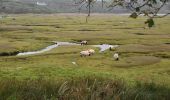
(149, 8)
(87, 3)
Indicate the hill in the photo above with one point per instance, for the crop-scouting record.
(53, 6)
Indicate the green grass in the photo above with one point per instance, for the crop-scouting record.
(144, 53)
(88, 88)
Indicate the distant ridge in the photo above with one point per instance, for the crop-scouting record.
(54, 6)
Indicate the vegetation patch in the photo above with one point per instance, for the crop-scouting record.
(88, 30)
(140, 48)
(139, 33)
(92, 88)
(135, 61)
(162, 55)
(140, 55)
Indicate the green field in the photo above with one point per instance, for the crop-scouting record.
(144, 53)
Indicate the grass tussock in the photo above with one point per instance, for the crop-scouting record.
(89, 88)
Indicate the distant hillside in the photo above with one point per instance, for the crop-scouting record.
(52, 6)
(34, 6)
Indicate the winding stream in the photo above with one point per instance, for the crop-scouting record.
(102, 47)
(47, 48)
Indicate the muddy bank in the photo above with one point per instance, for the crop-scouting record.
(9, 53)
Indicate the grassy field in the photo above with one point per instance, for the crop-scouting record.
(144, 53)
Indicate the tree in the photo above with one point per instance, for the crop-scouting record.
(87, 3)
(149, 8)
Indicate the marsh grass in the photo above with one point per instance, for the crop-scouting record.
(144, 56)
(87, 88)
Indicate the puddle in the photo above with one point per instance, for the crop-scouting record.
(104, 47)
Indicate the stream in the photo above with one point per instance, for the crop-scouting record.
(102, 47)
